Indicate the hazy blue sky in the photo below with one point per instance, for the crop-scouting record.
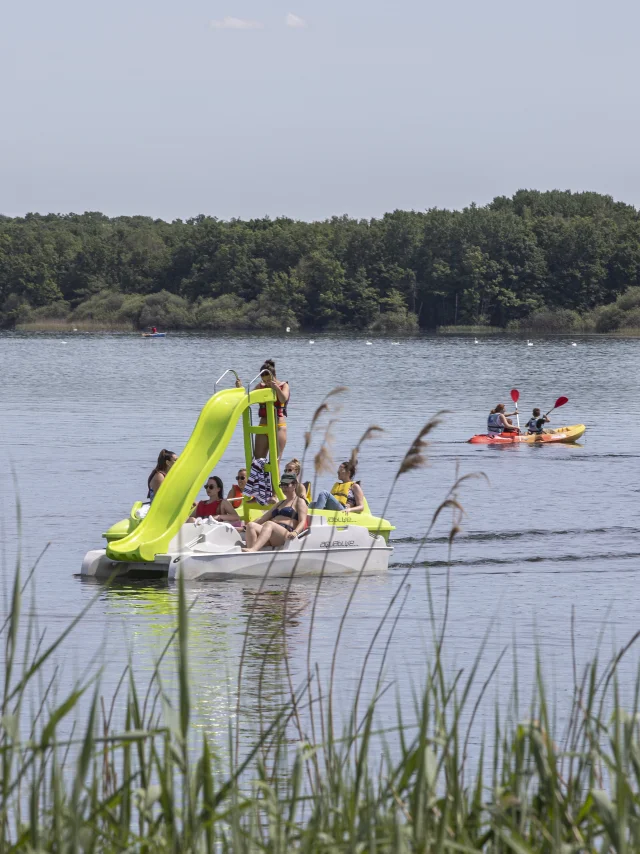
(177, 108)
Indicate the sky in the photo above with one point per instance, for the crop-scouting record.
(308, 109)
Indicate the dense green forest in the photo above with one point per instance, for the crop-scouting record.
(553, 260)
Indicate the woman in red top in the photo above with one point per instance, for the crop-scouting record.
(235, 493)
(215, 505)
(268, 377)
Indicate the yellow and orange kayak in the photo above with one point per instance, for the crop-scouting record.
(560, 434)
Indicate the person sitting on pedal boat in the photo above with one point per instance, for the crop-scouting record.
(280, 523)
(346, 495)
(165, 460)
(536, 424)
(497, 422)
(215, 505)
(235, 493)
(294, 467)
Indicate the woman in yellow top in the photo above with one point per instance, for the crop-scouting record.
(345, 495)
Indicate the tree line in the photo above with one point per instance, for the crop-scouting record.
(499, 265)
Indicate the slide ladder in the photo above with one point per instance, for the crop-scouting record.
(211, 435)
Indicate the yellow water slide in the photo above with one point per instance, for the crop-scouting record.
(211, 435)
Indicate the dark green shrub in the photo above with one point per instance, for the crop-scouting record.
(224, 312)
(553, 320)
(610, 318)
(629, 299)
(168, 311)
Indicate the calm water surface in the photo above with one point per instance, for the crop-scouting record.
(83, 417)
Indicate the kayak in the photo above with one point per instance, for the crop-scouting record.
(560, 434)
(153, 334)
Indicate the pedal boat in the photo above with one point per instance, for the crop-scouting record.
(206, 550)
(567, 435)
(155, 541)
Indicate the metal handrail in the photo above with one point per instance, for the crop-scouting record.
(228, 371)
(257, 377)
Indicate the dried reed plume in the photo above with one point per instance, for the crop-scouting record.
(323, 460)
(369, 433)
(415, 458)
(324, 407)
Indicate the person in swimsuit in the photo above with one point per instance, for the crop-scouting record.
(235, 493)
(215, 505)
(346, 495)
(268, 380)
(282, 522)
(165, 460)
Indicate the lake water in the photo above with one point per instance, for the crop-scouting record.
(83, 417)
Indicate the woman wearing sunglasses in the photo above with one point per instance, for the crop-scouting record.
(283, 522)
(215, 505)
(237, 489)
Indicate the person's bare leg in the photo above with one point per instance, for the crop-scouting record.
(261, 447)
(278, 535)
(253, 530)
(264, 535)
(282, 440)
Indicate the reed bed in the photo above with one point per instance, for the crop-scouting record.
(309, 783)
(53, 325)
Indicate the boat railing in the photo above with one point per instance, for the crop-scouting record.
(228, 371)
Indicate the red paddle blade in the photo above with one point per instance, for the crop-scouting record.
(515, 395)
(561, 402)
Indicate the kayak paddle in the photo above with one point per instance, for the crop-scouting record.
(515, 397)
(559, 402)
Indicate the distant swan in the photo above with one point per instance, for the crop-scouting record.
(529, 343)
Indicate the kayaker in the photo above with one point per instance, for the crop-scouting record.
(153, 330)
(215, 505)
(238, 488)
(165, 460)
(536, 424)
(345, 495)
(497, 422)
(268, 380)
(280, 523)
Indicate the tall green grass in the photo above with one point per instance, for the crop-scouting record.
(313, 780)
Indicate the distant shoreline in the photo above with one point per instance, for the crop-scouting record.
(69, 327)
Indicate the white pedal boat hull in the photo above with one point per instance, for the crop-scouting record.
(212, 551)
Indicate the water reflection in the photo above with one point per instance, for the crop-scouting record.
(257, 623)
